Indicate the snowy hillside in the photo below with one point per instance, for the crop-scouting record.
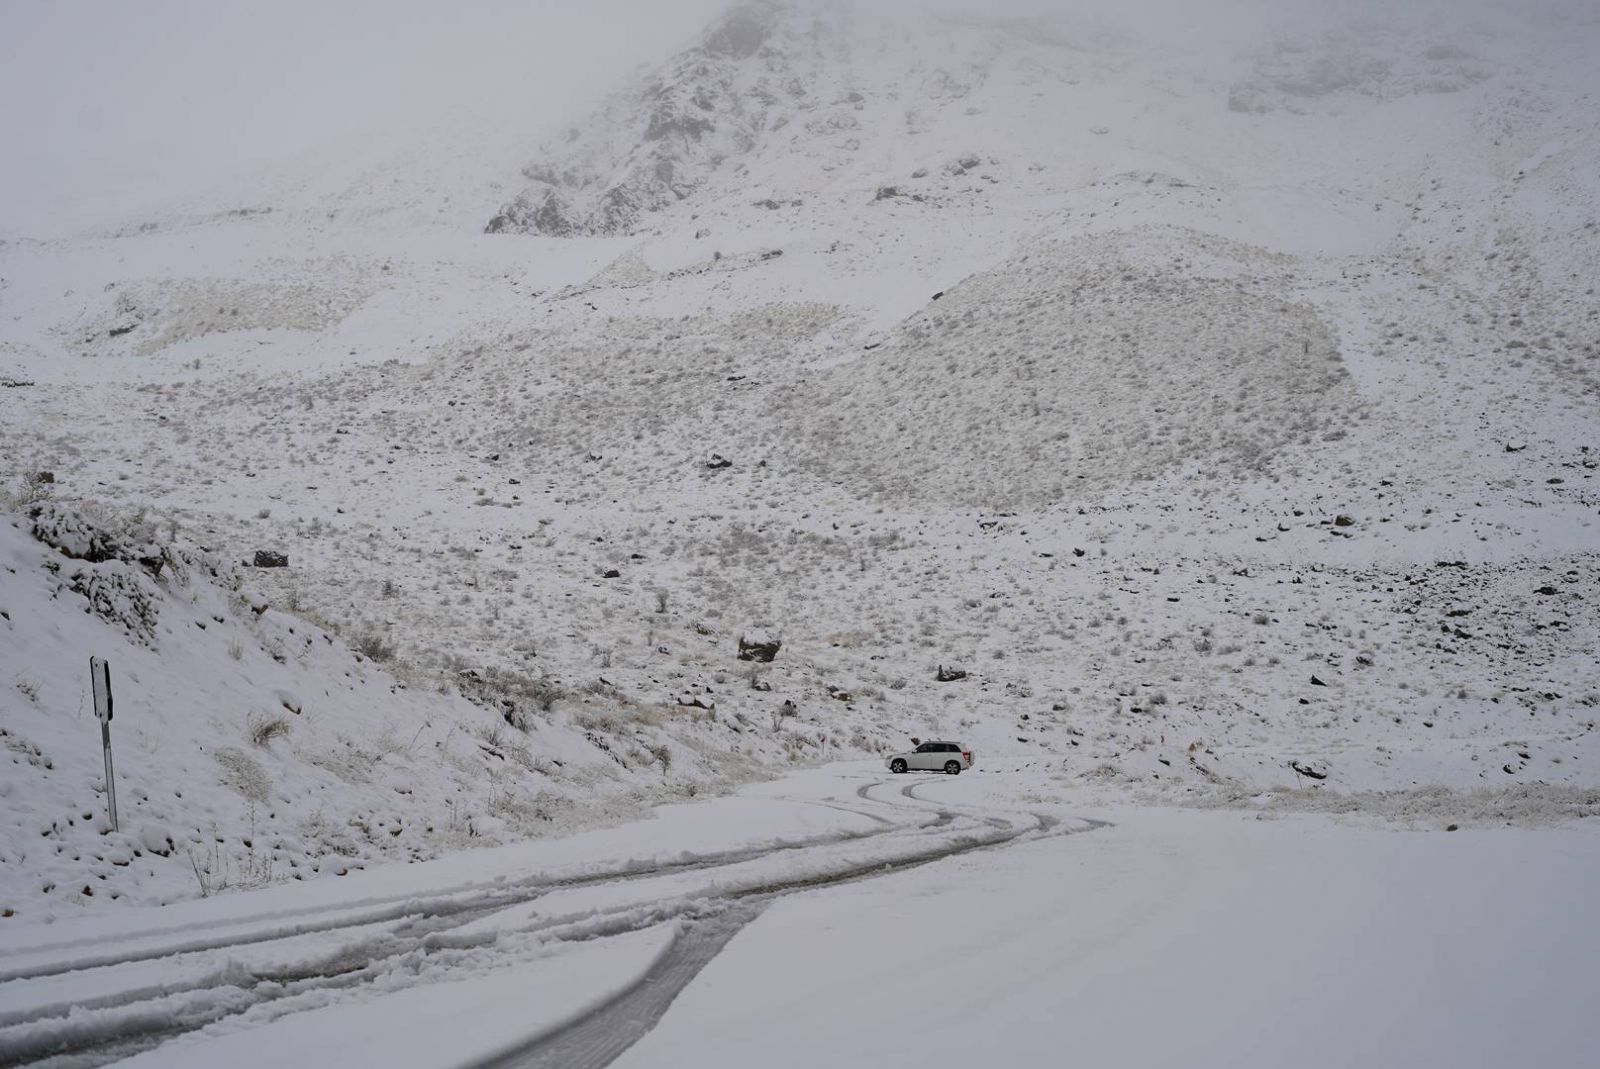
(253, 746)
(1219, 392)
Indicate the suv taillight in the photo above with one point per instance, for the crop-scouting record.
(968, 755)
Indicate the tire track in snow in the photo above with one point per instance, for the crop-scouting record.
(910, 791)
(422, 923)
(599, 1037)
(464, 903)
(127, 1024)
(602, 1035)
(1047, 823)
(708, 922)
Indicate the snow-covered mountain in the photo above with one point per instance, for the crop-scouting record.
(1217, 391)
(651, 147)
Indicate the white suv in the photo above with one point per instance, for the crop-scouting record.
(951, 757)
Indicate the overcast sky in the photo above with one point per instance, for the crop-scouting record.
(137, 100)
(112, 106)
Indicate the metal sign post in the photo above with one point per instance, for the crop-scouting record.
(100, 676)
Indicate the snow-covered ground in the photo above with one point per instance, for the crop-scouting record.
(1193, 408)
(853, 914)
(1172, 938)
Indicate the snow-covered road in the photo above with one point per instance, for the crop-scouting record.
(851, 916)
(212, 970)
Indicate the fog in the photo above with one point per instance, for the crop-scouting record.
(138, 102)
(111, 106)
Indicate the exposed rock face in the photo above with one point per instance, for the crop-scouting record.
(758, 646)
(550, 215)
(653, 145)
(75, 535)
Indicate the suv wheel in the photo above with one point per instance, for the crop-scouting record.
(899, 765)
(953, 767)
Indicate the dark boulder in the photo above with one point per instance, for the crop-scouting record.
(758, 647)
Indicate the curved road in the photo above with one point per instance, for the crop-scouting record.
(711, 898)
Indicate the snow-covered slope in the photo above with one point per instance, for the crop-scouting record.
(252, 745)
(1218, 390)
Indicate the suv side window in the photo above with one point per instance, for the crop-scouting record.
(951, 747)
(927, 747)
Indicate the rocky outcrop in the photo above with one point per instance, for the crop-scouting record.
(758, 646)
(655, 144)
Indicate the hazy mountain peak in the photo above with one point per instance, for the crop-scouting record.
(743, 30)
(652, 144)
